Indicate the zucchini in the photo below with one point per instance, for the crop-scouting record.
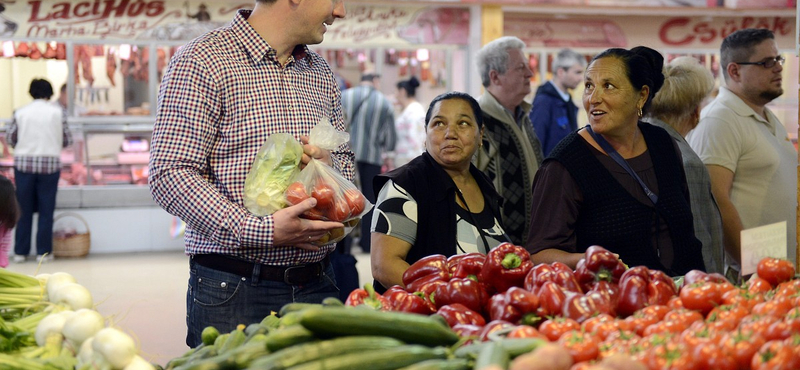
(440, 364)
(307, 352)
(383, 359)
(513, 346)
(287, 337)
(492, 354)
(407, 327)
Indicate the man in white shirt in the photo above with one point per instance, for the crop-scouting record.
(752, 163)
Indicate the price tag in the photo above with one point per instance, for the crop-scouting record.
(763, 241)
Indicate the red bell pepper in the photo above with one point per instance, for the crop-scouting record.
(537, 276)
(457, 313)
(506, 266)
(404, 301)
(368, 297)
(696, 276)
(610, 293)
(599, 264)
(516, 306)
(467, 331)
(580, 307)
(551, 299)
(640, 287)
(662, 288)
(493, 326)
(433, 265)
(417, 285)
(468, 292)
(565, 278)
(468, 266)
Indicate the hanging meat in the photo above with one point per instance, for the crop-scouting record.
(61, 51)
(49, 51)
(125, 67)
(97, 51)
(76, 66)
(35, 53)
(23, 50)
(161, 61)
(111, 66)
(141, 72)
(85, 60)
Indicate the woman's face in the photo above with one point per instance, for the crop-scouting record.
(452, 133)
(611, 102)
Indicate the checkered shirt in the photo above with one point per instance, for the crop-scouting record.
(223, 94)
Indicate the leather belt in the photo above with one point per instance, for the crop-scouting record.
(292, 275)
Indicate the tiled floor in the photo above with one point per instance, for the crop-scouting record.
(143, 294)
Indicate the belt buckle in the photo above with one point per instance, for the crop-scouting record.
(286, 274)
(287, 278)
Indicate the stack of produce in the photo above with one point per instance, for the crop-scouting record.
(330, 336)
(48, 322)
(603, 308)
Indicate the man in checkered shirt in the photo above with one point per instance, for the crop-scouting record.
(223, 94)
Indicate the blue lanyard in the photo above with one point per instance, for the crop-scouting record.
(622, 162)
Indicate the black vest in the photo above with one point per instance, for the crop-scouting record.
(435, 194)
(613, 218)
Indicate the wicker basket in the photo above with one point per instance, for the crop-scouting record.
(75, 245)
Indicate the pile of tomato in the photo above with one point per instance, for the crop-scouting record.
(603, 308)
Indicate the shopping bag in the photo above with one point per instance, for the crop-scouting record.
(337, 198)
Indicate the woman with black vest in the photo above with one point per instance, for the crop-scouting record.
(618, 182)
(438, 203)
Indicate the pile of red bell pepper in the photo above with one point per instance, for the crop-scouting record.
(478, 294)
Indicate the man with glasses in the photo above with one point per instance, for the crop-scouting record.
(752, 162)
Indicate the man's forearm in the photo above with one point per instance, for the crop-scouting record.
(731, 228)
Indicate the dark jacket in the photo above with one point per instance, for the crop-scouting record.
(610, 216)
(435, 194)
(552, 117)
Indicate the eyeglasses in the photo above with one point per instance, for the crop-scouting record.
(769, 63)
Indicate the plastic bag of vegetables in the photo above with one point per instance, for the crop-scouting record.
(275, 165)
(337, 198)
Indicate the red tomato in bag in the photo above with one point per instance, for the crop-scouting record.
(356, 201)
(341, 211)
(296, 193)
(324, 195)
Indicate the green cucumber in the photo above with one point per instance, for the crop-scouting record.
(440, 364)
(513, 346)
(209, 335)
(235, 339)
(332, 301)
(408, 327)
(272, 321)
(492, 354)
(279, 339)
(296, 306)
(384, 359)
(307, 352)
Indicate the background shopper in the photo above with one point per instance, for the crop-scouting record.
(37, 133)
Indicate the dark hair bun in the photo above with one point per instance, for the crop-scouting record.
(656, 62)
(413, 82)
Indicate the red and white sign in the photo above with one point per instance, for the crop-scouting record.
(654, 31)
